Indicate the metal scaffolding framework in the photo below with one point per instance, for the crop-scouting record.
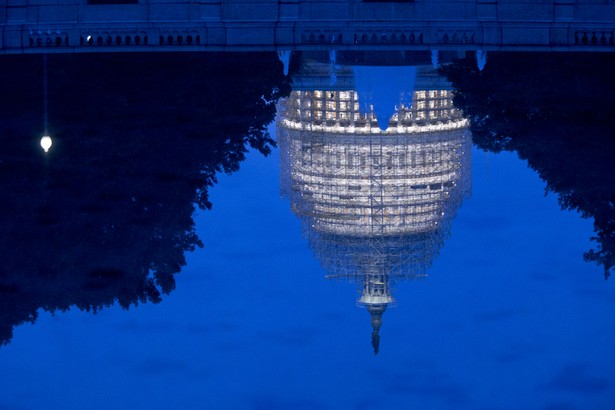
(375, 206)
(365, 194)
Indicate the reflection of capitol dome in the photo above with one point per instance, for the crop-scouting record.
(375, 205)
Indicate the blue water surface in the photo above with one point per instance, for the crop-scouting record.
(509, 317)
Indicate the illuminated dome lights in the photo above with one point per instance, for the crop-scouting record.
(375, 205)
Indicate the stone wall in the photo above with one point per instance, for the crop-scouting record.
(156, 25)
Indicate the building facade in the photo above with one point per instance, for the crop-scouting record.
(172, 25)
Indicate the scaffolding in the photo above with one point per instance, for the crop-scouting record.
(367, 198)
(376, 206)
(340, 111)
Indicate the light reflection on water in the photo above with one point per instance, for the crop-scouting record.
(510, 315)
(375, 206)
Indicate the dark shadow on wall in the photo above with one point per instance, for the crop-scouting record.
(557, 111)
(105, 216)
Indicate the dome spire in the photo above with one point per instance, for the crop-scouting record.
(376, 312)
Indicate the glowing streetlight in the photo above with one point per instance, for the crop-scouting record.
(46, 142)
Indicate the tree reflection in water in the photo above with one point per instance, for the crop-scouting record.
(556, 111)
(106, 215)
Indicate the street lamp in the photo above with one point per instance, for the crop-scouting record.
(46, 142)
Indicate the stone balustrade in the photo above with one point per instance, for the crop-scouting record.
(31, 26)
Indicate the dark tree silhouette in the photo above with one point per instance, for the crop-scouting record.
(106, 215)
(557, 111)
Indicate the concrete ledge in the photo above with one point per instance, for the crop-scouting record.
(487, 11)
(211, 12)
(526, 36)
(12, 39)
(16, 14)
(285, 36)
(47, 14)
(388, 12)
(525, 13)
(216, 35)
(450, 11)
(169, 12)
(114, 13)
(250, 35)
(559, 36)
(289, 11)
(36, 25)
(563, 12)
(75, 3)
(492, 34)
(594, 13)
(250, 11)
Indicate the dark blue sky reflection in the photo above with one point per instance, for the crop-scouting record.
(509, 317)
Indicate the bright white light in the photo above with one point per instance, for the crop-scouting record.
(89, 38)
(400, 129)
(46, 142)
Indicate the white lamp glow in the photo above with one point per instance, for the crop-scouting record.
(46, 142)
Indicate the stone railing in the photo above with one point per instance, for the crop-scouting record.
(293, 35)
(594, 38)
